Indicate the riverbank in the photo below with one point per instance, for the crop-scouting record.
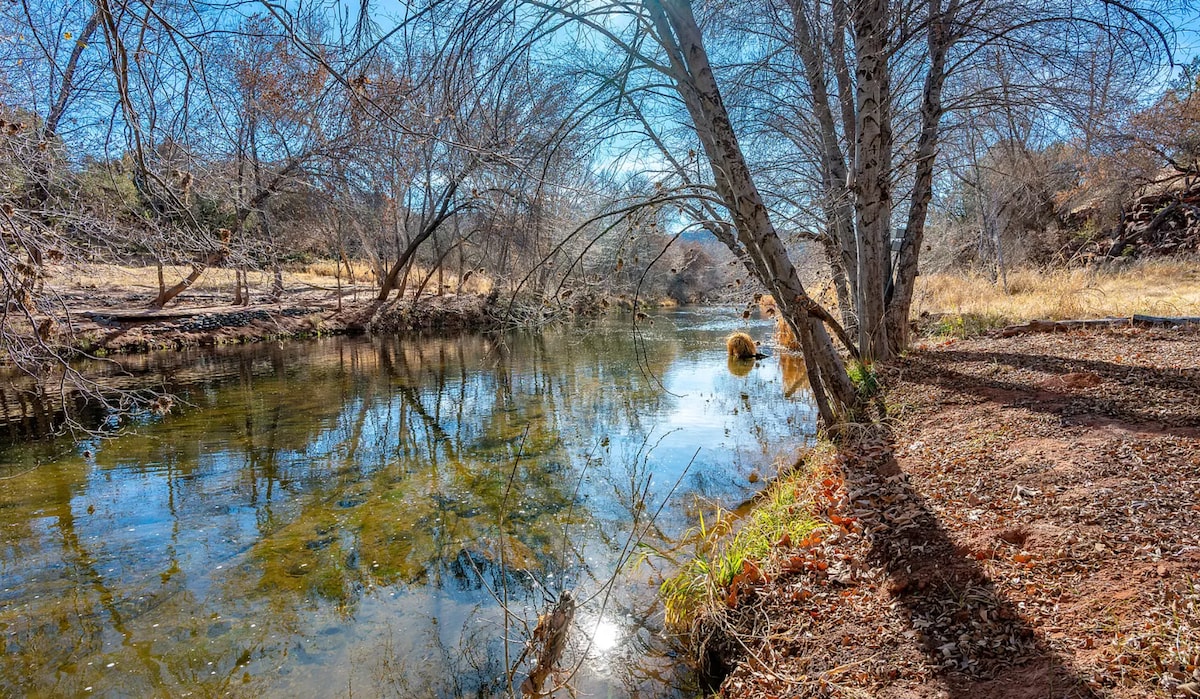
(1024, 525)
(104, 309)
(107, 305)
(115, 331)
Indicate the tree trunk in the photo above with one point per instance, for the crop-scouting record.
(459, 273)
(337, 272)
(67, 84)
(441, 282)
(198, 268)
(276, 282)
(900, 299)
(439, 265)
(696, 84)
(841, 284)
(872, 177)
(838, 206)
(443, 212)
(841, 71)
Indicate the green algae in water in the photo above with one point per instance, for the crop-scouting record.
(340, 516)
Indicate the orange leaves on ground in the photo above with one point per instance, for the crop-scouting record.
(811, 540)
(830, 486)
(848, 524)
(744, 582)
(805, 562)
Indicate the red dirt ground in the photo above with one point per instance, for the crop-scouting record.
(1025, 524)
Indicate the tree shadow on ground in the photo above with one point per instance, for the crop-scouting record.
(966, 626)
(1143, 397)
(977, 639)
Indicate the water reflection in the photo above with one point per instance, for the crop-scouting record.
(345, 516)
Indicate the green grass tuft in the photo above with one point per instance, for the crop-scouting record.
(862, 375)
(716, 556)
(968, 325)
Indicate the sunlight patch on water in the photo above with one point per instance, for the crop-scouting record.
(606, 635)
(351, 512)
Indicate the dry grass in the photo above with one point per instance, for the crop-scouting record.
(473, 281)
(110, 277)
(329, 268)
(741, 346)
(1163, 288)
(783, 333)
(321, 275)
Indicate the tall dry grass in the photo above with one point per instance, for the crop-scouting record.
(363, 273)
(971, 303)
(1162, 288)
(474, 282)
(108, 277)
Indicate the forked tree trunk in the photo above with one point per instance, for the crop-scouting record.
(443, 212)
(165, 297)
(900, 299)
(694, 79)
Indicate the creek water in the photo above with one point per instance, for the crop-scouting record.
(384, 517)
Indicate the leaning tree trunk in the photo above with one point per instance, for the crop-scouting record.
(165, 297)
(838, 206)
(392, 279)
(694, 80)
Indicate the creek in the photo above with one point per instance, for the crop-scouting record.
(383, 516)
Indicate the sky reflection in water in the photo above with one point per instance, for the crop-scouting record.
(322, 519)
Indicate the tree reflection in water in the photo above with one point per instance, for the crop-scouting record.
(325, 518)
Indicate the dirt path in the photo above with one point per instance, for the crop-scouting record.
(1028, 525)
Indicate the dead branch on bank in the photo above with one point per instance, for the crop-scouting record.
(1050, 326)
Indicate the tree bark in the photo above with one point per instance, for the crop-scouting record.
(237, 286)
(838, 204)
(694, 79)
(900, 299)
(872, 174)
(841, 283)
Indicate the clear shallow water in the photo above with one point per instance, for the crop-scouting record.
(344, 517)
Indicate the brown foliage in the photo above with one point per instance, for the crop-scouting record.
(741, 346)
(740, 367)
(795, 374)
